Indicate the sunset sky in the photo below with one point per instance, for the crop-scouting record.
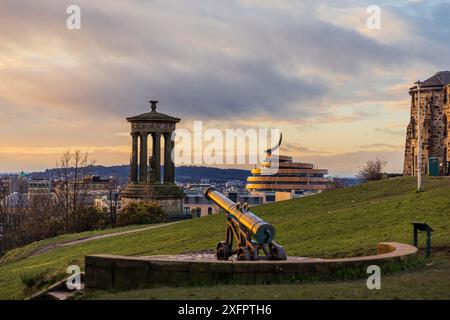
(337, 90)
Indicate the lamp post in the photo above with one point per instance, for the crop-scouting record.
(419, 138)
(113, 198)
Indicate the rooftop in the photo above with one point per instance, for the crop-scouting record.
(153, 116)
(439, 79)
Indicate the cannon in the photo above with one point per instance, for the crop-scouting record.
(254, 236)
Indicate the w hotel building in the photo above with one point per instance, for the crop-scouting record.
(291, 180)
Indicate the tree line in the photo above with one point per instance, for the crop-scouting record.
(42, 215)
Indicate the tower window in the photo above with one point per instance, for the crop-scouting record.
(413, 127)
(445, 126)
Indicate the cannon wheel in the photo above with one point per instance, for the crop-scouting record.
(223, 251)
(244, 254)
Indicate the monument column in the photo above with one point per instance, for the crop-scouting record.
(134, 148)
(166, 157)
(172, 164)
(143, 159)
(168, 163)
(156, 154)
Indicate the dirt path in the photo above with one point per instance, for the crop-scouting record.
(102, 236)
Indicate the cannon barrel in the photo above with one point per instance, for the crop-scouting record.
(262, 231)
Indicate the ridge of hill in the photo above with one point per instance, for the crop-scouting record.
(183, 173)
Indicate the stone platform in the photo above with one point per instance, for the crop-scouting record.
(155, 191)
(168, 196)
(122, 272)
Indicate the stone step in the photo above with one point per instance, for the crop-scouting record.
(63, 293)
(58, 291)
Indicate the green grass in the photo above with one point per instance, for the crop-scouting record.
(337, 223)
(433, 282)
(26, 251)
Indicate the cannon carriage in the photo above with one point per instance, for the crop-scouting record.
(253, 236)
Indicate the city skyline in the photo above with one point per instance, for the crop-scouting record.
(239, 64)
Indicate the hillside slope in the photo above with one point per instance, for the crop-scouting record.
(337, 223)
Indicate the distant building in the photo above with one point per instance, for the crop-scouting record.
(245, 197)
(233, 196)
(197, 187)
(12, 184)
(290, 180)
(4, 188)
(435, 126)
(198, 206)
(87, 189)
(234, 184)
(39, 186)
(250, 199)
(97, 184)
(16, 200)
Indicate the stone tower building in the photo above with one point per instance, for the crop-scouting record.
(434, 118)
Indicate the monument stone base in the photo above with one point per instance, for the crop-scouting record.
(168, 195)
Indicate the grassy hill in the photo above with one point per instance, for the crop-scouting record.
(337, 223)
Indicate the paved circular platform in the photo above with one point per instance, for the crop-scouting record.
(209, 257)
(123, 272)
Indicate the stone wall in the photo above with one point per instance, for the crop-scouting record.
(124, 273)
(435, 115)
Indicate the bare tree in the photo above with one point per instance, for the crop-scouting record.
(44, 217)
(27, 217)
(373, 170)
(72, 169)
(13, 215)
(62, 194)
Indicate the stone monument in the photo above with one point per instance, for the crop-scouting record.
(145, 183)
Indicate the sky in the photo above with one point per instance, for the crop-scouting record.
(312, 69)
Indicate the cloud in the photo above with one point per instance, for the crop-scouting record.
(381, 146)
(227, 61)
(391, 131)
(298, 149)
(281, 63)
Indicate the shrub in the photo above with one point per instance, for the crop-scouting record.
(373, 170)
(37, 280)
(92, 219)
(141, 213)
